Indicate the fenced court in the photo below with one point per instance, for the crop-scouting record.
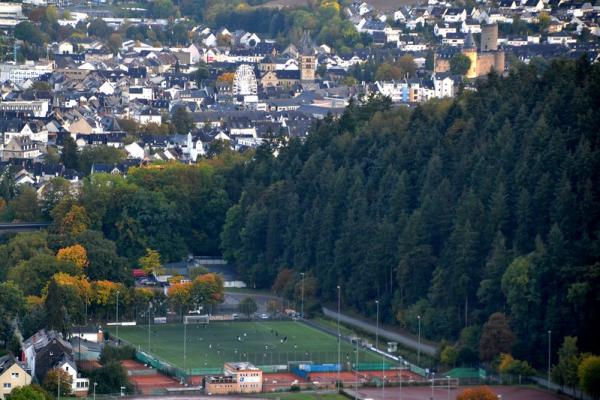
(209, 346)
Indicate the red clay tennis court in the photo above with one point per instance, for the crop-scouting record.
(146, 380)
(282, 380)
(392, 375)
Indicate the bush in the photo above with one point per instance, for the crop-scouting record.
(116, 353)
(110, 378)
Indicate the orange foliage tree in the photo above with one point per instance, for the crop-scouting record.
(207, 289)
(76, 254)
(226, 77)
(477, 393)
(83, 287)
(180, 294)
(75, 221)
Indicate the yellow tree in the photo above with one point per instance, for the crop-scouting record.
(180, 294)
(226, 77)
(75, 221)
(81, 284)
(151, 262)
(76, 254)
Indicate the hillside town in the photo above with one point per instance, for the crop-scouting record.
(153, 102)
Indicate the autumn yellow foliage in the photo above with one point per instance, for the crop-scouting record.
(75, 221)
(477, 393)
(505, 362)
(180, 293)
(226, 77)
(84, 288)
(76, 254)
(105, 292)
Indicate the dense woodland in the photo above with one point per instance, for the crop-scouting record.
(452, 211)
(474, 212)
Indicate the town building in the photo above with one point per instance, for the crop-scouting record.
(12, 375)
(238, 377)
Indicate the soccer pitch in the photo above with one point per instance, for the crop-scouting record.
(261, 343)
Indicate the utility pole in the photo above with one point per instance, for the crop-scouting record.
(339, 366)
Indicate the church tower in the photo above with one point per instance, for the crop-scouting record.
(308, 65)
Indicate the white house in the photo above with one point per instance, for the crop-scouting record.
(249, 39)
(453, 15)
(443, 30)
(140, 92)
(149, 117)
(64, 48)
(134, 150)
(79, 385)
(108, 88)
(443, 85)
(401, 16)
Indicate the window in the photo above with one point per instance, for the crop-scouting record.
(15, 374)
(7, 385)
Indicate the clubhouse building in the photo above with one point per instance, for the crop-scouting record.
(238, 377)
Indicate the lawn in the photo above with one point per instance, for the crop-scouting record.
(261, 343)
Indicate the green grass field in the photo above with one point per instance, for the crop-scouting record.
(261, 343)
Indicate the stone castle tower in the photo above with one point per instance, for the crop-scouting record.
(470, 50)
(489, 57)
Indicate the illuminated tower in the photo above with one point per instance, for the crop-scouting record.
(470, 50)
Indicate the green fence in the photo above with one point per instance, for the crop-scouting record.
(372, 366)
(418, 370)
(206, 371)
(165, 368)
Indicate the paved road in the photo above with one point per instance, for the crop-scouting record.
(405, 340)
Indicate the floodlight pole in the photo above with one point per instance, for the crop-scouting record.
(184, 345)
(356, 370)
(549, 354)
(149, 313)
(419, 347)
(377, 326)
(339, 339)
(117, 317)
(302, 303)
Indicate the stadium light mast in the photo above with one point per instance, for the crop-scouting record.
(117, 317)
(184, 345)
(339, 366)
(382, 354)
(377, 326)
(549, 354)
(149, 312)
(419, 347)
(356, 370)
(302, 302)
